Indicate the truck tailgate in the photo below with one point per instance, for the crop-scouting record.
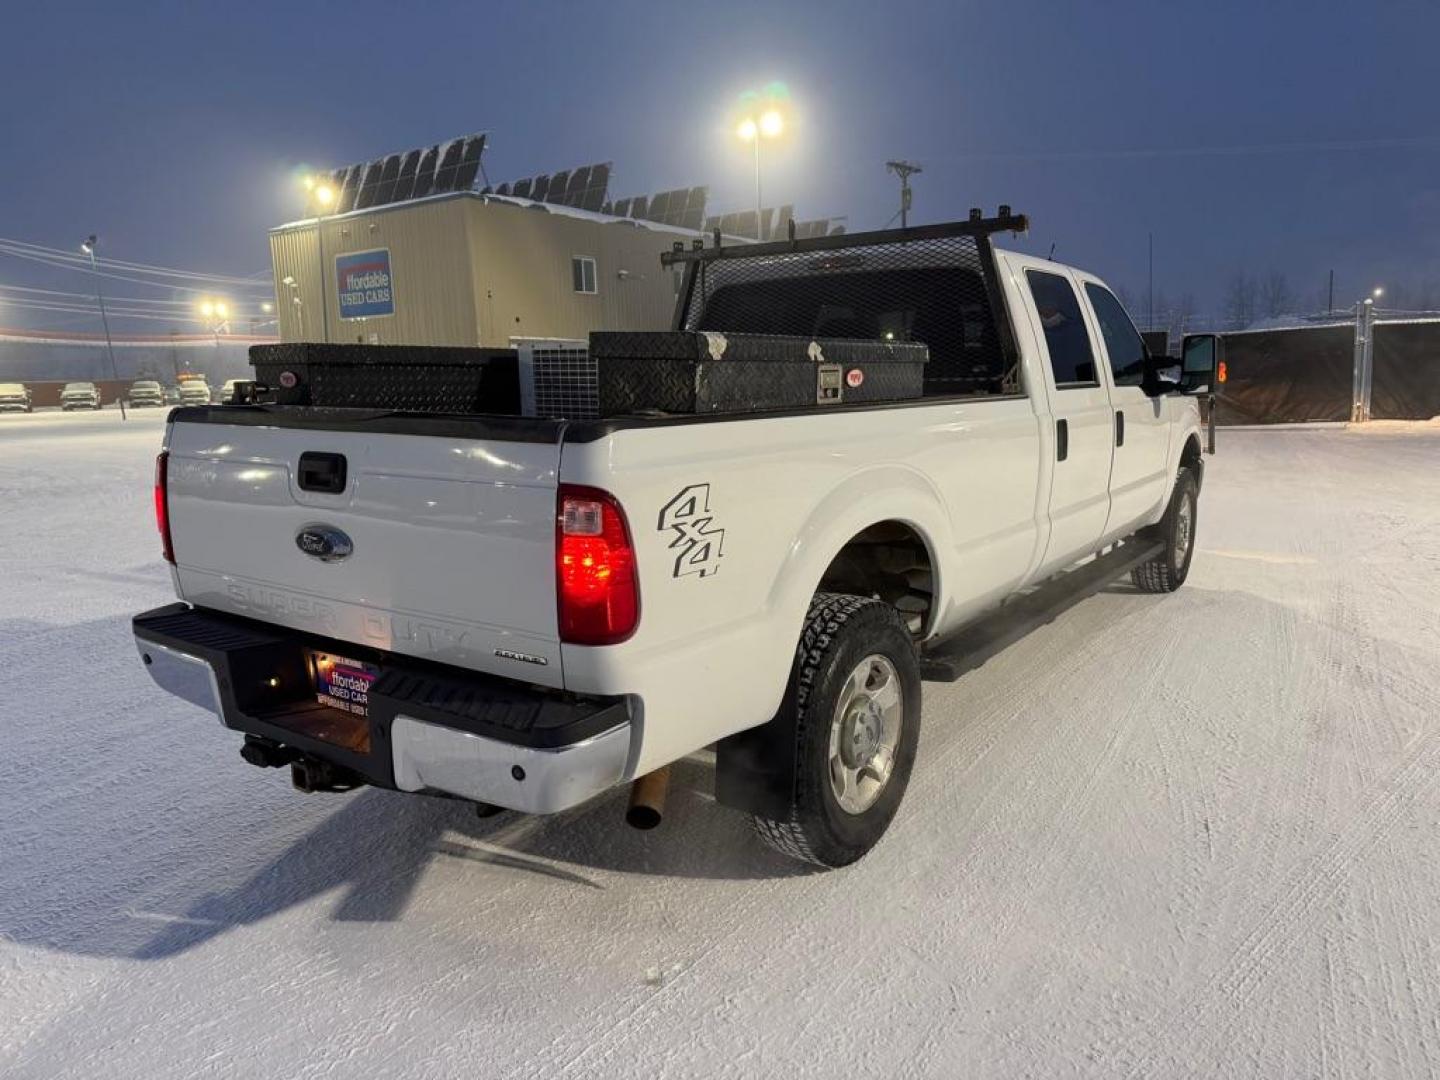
(452, 540)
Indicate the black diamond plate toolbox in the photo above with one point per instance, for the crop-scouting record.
(704, 372)
(406, 378)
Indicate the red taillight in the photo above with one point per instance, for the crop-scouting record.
(599, 594)
(162, 504)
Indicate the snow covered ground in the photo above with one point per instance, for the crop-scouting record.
(1191, 835)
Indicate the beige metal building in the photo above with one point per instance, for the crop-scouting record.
(469, 269)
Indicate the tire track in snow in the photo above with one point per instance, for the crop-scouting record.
(1291, 916)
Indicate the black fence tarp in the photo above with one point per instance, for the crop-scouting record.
(1286, 376)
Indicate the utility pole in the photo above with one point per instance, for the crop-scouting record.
(88, 247)
(1330, 303)
(904, 170)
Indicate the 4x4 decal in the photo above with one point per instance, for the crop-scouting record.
(697, 541)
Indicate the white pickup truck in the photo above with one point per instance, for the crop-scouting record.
(527, 611)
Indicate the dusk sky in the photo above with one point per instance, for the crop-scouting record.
(1264, 137)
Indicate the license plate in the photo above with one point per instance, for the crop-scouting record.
(342, 683)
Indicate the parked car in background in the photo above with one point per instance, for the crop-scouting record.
(226, 394)
(146, 392)
(80, 395)
(172, 395)
(194, 391)
(15, 397)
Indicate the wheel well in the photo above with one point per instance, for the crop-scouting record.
(1191, 454)
(891, 562)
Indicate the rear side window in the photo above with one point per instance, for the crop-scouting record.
(1066, 339)
(1123, 342)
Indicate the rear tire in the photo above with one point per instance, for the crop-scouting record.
(854, 703)
(1168, 571)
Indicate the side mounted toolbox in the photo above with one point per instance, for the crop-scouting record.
(407, 378)
(706, 372)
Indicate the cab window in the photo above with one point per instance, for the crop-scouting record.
(1123, 343)
(1066, 340)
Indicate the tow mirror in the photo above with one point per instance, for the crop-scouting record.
(1202, 361)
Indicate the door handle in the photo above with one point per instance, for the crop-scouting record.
(1062, 440)
(1119, 428)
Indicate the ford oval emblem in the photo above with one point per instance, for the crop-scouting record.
(324, 542)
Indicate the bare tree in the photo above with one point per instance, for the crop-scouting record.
(1240, 300)
(1275, 295)
(1182, 314)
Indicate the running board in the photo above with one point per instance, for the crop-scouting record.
(946, 659)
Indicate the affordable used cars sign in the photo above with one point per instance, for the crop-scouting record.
(367, 289)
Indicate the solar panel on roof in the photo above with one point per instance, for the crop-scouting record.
(599, 188)
(448, 170)
(712, 223)
(503, 189)
(425, 172)
(659, 206)
(369, 184)
(746, 225)
(558, 183)
(838, 230)
(405, 182)
(522, 188)
(469, 166)
(349, 187)
(694, 214)
(389, 173)
(621, 207)
(763, 232)
(541, 187)
(782, 221)
(575, 189)
(638, 208)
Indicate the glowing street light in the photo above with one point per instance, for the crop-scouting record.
(1378, 292)
(762, 118)
(324, 194)
(88, 246)
(267, 307)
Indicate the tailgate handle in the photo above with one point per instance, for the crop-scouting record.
(322, 472)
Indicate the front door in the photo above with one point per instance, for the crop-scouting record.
(1080, 411)
(1142, 424)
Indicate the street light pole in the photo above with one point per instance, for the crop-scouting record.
(89, 248)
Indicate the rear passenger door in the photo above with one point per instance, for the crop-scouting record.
(1080, 413)
(1142, 427)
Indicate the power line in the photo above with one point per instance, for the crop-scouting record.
(134, 267)
(47, 260)
(1199, 151)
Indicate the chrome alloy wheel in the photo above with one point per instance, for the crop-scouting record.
(1184, 525)
(865, 733)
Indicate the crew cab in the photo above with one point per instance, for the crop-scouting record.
(79, 395)
(526, 611)
(15, 397)
(194, 390)
(145, 393)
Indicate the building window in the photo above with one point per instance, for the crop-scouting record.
(582, 274)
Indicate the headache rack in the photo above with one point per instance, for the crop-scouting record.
(931, 284)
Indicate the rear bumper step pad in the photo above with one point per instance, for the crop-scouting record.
(428, 727)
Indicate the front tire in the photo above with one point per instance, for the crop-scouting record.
(1168, 570)
(854, 703)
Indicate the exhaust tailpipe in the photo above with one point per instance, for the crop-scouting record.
(647, 799)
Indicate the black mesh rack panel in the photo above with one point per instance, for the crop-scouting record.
(934, 288)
